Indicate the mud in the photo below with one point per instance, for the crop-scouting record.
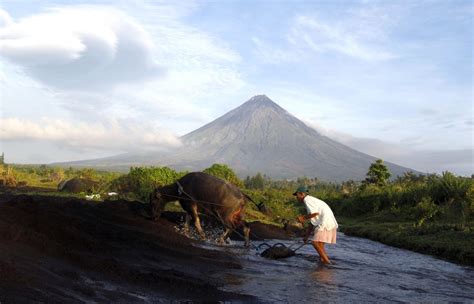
(56, 250)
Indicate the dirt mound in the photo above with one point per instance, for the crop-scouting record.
(78, 185)
(262, 231)
(56, 249)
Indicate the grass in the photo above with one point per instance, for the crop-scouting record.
(449, 241)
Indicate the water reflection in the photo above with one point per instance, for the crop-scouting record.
(323, 274)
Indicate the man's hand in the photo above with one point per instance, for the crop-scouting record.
(301, 218)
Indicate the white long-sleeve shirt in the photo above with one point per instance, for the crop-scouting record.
(325, 220)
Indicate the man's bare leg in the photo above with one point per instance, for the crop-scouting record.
(319, 246)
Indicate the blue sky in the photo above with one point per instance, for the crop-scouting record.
(88, 79)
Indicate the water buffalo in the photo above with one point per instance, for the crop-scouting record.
(201, 192)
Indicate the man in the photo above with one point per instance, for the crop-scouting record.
(322, 221)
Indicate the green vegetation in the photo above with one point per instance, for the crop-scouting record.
(49, 177)
(140, 181)
(426, 213)
(378, 174)
(224, 172)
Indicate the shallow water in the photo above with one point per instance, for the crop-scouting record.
(363, 270)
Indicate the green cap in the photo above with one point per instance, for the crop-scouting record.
(301, 189)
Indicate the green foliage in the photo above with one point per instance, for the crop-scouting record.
(88, 173)
(425, 210)
(141, 181)
(281, 204)
(420, 199)
(448, 240)
(8, 176)
(224, 172)
(57, 175)
(378, 174)
(410, 178)
(255, 182)
(448, 188)
(33, 178)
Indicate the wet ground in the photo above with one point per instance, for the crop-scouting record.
(363, 271)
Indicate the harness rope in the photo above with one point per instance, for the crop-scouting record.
(218, 217)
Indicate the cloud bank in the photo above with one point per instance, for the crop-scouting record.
(110, 136)
(82, 47)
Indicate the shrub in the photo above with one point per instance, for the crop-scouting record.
(141, 181)
(425, 210)
(449, 187)
(255, 182)
(224, 172)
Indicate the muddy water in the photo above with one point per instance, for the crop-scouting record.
(363, 271)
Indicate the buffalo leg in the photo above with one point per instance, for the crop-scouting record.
(186, 224)
(246, 233)
(225, 235)
(197, 222)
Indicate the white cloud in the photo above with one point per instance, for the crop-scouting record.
(114, 136)
(199, 66)
(341, 38)
(80, 47)
(359, 34)
(5, 19)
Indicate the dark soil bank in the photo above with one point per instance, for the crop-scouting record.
(56, 250)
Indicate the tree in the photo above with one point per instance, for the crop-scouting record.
(255, 182)
(378, 174)
(143, 180)
(224, 172)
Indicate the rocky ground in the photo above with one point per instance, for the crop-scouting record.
(60, 249)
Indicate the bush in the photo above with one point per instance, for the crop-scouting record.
(225, 173)
(281, 204)
(425, 210)
(448, 188)
(255, 182)
(141, 181)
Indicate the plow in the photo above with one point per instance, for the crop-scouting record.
(279, 250)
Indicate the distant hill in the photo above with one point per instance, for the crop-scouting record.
(259, 136)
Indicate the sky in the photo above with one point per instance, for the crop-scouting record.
(89, 79)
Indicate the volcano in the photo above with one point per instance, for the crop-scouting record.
(260, 136)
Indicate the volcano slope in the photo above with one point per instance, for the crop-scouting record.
(59, 249)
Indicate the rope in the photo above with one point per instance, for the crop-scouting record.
(181, 189)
